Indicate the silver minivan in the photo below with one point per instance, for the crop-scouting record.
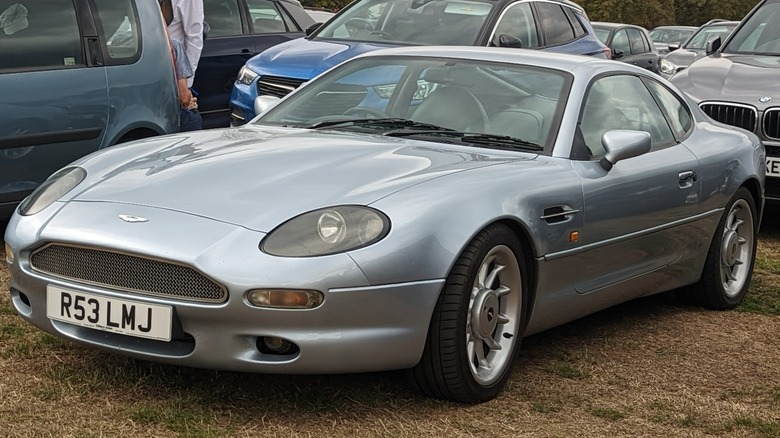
(77, 76)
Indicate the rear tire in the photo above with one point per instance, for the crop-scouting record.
(478, 322)
(729, 265)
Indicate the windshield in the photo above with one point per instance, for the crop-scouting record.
(760, 34)
(670, 35)
(431, 98)
(699, 40)
(429, 22)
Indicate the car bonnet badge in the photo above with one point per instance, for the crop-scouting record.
(765, 99)
(132, 219)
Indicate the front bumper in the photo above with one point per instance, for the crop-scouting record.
(359, 327)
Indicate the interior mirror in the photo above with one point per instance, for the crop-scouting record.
(673, 46)
(264, 103)
(713, 44)
(621, 144)
(506, 40)
(617, 53)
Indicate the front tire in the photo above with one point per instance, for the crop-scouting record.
(729, 265)
(478, 322)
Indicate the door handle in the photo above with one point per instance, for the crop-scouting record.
(687, 178)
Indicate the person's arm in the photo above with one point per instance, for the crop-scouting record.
(191, 13)
(185, 96)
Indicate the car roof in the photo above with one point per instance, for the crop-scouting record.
(610, 25)
(558, 61)
(721, 23)
(677, 27)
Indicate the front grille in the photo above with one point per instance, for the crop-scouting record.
(740, 116)
(126, 272)
(772, 188)
(277, 86)
(772, 123)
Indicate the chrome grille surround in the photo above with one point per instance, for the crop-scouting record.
(734, 114)
(277, 86)
(126, 272)
(771, 123)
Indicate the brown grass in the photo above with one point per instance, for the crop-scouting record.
(652, 367)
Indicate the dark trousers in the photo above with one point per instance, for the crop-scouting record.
(190, 120)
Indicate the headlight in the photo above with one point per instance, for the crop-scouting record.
(327, 231)
(667, 67)
(51, 190)
(246, 76)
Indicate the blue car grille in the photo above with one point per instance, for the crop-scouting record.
(277, 86)
(772, 123)
(735, 115)
(126, 272)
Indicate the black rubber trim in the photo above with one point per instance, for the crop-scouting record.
(66, 136)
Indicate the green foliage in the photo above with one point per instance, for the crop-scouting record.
(652, 13)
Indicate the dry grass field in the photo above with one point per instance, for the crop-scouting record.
(652, 367)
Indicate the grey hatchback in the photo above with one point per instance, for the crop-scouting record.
(77, 76)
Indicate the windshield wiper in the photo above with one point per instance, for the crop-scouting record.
(503, 141)
(390, 122)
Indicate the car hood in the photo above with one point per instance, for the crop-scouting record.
(304, 59)
(732, 78)
(259, 177)
(684, 57)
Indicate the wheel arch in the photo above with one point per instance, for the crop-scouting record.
(754, 187)
(529, 260)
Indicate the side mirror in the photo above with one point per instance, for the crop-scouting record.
(713, 44)
(310, 30)
(617, 53)
(674, 46)
(506, 40)
(264, 103)
(621, 144)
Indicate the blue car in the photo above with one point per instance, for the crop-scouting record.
(367, 25)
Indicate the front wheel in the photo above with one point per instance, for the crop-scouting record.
(729, 265)
(478, 321)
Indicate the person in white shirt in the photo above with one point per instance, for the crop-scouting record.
(187, 27)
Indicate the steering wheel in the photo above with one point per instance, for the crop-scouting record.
(382, 33)
(365, 111)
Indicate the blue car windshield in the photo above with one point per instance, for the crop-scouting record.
(394, 95)
(409, 22)
(760, 34)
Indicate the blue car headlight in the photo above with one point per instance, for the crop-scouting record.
(52, 189)
(246, 76)
(327, 231)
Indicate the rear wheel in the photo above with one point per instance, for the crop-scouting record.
(729, 266)
(477, 325)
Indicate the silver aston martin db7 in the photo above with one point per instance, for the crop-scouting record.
(415, 208)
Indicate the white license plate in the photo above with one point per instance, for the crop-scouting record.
(773, 166)
(127, 317)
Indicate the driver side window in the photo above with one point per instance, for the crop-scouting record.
(621, 102)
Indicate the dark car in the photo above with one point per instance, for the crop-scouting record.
(681, 56)
(366, 25)
(75, 77)
(737, 82)
(239, 30)
(664, 35)
(628, 43)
